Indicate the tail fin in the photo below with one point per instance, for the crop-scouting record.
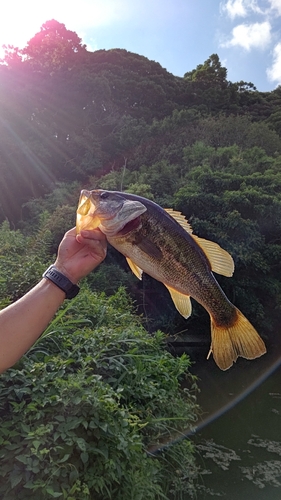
(239, 339)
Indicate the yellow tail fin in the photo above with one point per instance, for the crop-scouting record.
(239, 339)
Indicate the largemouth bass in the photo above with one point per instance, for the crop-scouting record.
(161, 243)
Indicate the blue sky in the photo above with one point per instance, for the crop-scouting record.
(179, 34)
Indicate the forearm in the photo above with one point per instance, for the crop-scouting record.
(23, 322)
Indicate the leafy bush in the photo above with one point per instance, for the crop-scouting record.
(82, 413)
(22, 261)
(108, 277)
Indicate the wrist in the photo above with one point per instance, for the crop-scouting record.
(64, 270)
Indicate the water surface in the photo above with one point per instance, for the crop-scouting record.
(238, 441)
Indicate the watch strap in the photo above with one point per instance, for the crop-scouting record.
(59, 279)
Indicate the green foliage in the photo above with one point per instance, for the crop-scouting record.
(211, 72)
(22, 261)
(80, 410)
(242, 213)
(141, 189)
(109, 277)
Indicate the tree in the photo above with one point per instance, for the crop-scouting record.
(210, 87)
(210, 73)
(53, 47)
(12, 56)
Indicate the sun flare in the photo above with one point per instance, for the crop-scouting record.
(20, 21)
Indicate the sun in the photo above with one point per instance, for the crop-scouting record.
(19, 22)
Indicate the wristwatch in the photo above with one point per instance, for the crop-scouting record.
(62, 282)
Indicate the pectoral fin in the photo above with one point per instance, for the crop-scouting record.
(182, 302)
(150, 248)
(134, 268)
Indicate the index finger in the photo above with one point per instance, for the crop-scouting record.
(93, 234)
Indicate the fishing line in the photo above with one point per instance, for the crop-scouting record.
(187, 433)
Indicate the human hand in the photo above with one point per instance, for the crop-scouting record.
(79, 254)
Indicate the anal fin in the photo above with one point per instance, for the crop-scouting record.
(182, 302)
(134, 268)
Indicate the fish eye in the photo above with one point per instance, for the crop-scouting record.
(104, 195)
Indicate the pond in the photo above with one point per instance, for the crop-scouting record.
(238, 440)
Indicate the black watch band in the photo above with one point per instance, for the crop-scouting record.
(62, 282)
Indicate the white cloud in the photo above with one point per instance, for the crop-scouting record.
(274, 72)
(248, 36)
(276, 5)
(242, 8)
(234, 8)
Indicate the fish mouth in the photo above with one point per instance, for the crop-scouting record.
(84, 203)
(130, 226)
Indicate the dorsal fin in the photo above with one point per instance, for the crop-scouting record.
(180, 218)
(220, 260)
